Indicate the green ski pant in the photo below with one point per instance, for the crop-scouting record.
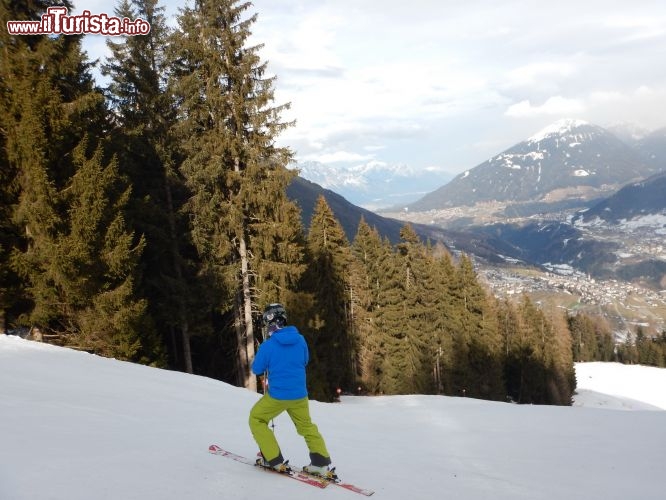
(266, 409)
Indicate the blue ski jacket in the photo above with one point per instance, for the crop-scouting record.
(284, 356)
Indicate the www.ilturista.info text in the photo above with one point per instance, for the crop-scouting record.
(57, 21)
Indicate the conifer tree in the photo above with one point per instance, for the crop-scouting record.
(405, 318)
(561, 381)
(94, 265)
(591, 338)
(477, 341)
(24, 150)
(227, 126)
(486, 355)
(330, 279)
(370, 253)
(77, 257)
(144, 117)
(10, 283)
(520, 363)
(443, 346)
(648, 348)
(627, 352)
(539, 364)
(423, 295)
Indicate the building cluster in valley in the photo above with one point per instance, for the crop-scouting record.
(626, 305)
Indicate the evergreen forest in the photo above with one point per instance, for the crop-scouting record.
(147, 220)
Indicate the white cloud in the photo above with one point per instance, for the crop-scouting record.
(535, 72)
(555, 106)
(336, 157)
(644, 91)
(435, 168)
(373, 80)
(606, 96)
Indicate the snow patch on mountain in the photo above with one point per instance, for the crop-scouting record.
(656, 221)
(560, 127)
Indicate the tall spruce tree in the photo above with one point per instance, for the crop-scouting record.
(93, 264)
(442, 346)
(330, 279)
(405, 315)
(144, 117)
(561, 381)
(591, 338)
(539, 361)
(370, 253)
(227, 126)
(23, 83)
(10, 283)
(466, 320)
(77, 257)
(422, 293)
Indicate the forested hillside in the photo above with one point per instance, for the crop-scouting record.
(149, 221)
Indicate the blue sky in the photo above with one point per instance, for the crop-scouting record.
(444, 84)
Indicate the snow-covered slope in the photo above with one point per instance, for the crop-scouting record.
(76, 426)
(613, 385)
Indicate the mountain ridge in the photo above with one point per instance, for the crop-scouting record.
(569, 159)
(305, 194)
(643, 198)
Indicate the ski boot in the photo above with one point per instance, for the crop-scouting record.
(282, 468)
(324, 472)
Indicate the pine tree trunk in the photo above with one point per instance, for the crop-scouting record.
(187, 352)
(250, 381)
(242, 353)
(182, 315)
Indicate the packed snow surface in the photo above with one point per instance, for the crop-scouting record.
(620, 386)
(78, 427)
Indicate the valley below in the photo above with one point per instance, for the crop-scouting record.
(624, 283)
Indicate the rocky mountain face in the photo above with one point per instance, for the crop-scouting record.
(569, 163)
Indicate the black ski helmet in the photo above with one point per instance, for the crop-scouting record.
(275, 314)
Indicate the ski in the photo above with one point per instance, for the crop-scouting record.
(293, 474)
(296, 473)
(342, 484)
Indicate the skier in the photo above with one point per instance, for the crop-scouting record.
(282, 357)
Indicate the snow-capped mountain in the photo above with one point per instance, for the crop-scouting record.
(374, 184)
(568, 160)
